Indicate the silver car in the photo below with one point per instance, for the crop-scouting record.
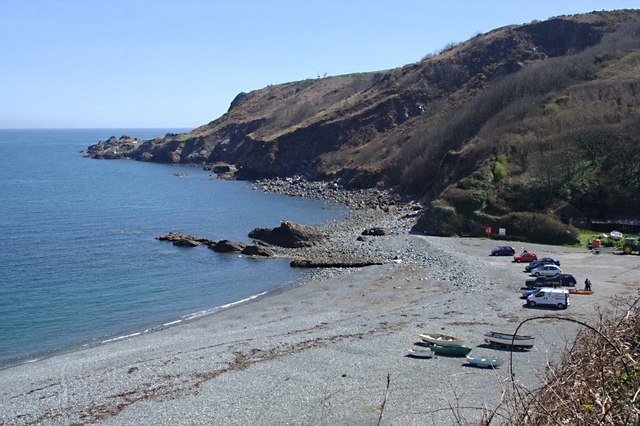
(546, 271)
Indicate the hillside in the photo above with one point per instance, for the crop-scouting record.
(520, 119)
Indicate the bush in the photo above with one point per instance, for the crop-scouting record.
(440, 219)
(466, 201)
(499, 170)
(539, 227)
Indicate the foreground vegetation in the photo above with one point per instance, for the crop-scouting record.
(597, 381)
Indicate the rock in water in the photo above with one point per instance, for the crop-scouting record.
(257, 251)
(226, 246)
(184, 240)
(289, 234)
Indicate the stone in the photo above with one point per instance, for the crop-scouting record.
(255, 250)
(185, 242)
(226, 246)
(289, 234)
(376, 231)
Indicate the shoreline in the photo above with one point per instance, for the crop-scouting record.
(321, 351)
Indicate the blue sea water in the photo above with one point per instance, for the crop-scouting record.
(79, 262)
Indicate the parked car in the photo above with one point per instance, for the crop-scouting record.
(542, 261)
(550, 297)
(562, 280)
(503, 251)
(546, 270)
(526, 256)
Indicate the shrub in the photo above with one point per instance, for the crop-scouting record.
(499, 171)
(440, 219)
(539, 227)
(466, 201)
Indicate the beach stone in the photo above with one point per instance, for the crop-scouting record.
(289, 234)
(255, 250)
(377, 231)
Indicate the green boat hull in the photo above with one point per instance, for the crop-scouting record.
(450, 350)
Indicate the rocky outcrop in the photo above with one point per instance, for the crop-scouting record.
(113, 148)
(226, 246)
(255, 250)
(185, 240)
(289, 234)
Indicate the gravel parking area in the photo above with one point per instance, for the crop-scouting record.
(322, 352)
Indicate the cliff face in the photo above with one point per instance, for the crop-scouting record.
(421, 127)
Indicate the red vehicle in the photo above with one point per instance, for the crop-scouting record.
(526, 256)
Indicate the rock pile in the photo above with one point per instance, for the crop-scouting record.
(332, 191)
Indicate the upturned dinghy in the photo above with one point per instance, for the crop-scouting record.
(441, 339)
(484, 361)
(421, 353)
(505, 339)
(451, 350)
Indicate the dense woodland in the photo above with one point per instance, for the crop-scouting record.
(497, 131)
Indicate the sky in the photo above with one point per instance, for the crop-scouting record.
(180, 63)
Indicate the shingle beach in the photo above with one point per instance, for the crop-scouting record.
(331, 350)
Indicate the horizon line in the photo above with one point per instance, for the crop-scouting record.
(96, 128)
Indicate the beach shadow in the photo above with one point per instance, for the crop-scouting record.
(477, 367)
(502, 348)
(543, 308)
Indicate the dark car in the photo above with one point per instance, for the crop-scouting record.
(560, 280)
(503, 251)
(542, 261)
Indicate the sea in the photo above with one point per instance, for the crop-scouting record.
(79, 261)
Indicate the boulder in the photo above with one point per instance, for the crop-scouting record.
(257, 251)
(377, 231)
(289, 234)
(185, 242)
(226, 246)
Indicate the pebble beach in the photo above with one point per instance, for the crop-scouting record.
(332, 350)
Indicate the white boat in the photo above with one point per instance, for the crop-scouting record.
(441, 339)
(484, 361)
(505, 339)
(421, 353)
(615, 235)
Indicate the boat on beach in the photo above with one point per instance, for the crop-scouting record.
(451, 350)
(421, 353)
(511, 340)
(484, 362)
(441, 339)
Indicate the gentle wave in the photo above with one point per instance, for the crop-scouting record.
(186, 318)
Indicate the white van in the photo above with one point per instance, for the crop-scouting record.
(547, 296)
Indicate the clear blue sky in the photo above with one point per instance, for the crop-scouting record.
(171, 63)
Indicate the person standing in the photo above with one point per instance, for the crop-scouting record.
(587, 284)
